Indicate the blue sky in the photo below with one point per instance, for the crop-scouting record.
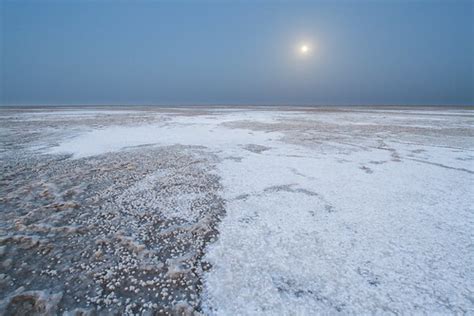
(237, 52)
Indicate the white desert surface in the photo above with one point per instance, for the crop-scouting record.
(237, 211)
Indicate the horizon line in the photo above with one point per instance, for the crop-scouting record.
(235, 105)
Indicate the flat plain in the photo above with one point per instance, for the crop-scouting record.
(236, 210)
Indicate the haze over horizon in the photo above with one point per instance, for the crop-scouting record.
(262, 53)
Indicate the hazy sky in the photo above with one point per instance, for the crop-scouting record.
(235, 52)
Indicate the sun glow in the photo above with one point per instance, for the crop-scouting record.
(304, 49)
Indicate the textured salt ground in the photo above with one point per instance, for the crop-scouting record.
(372, 218)
(121, 233)
(117, 233)
(312, 235)
(333, 210)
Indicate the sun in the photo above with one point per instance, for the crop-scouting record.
(304, 49)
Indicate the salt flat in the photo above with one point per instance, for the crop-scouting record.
(251, 210)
